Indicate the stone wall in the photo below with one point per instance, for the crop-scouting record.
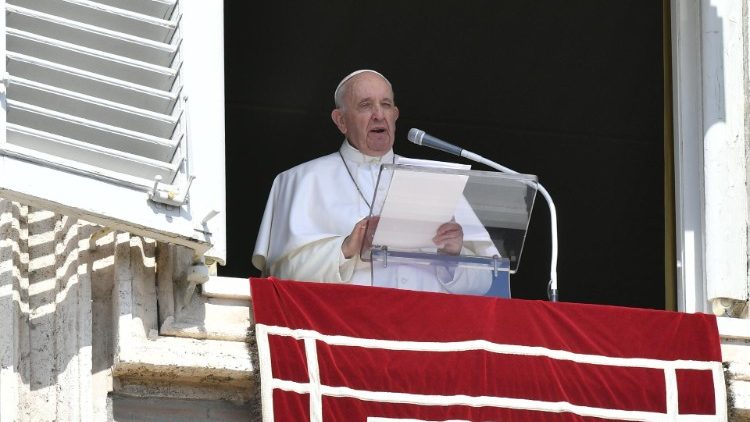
(81, 316)
(99, 325)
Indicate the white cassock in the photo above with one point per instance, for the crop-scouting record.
(313, 206)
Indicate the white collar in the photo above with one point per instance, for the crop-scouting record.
(354, 155)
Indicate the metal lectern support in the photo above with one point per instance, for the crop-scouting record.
(419, 137)
(552, 293)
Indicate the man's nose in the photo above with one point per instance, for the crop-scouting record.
(377, 112)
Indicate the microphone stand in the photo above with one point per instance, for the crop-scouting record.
(552, 285)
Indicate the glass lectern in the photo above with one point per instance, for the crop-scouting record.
(412, 201)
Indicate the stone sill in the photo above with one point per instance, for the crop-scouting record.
(201, 361)
(734, 335)
(227, 288)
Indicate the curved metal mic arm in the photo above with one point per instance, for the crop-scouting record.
(552, 285)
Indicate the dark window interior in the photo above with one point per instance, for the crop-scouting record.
(568, 91)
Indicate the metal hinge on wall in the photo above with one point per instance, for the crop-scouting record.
(169, 194)
(5, 79)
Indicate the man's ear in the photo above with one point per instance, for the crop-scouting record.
(338, 118)
(395, 114)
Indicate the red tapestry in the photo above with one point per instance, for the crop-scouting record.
(332, 352)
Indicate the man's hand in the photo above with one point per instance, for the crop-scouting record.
(449, 238)
(353, 243)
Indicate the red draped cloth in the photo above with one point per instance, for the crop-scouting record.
(332, 352)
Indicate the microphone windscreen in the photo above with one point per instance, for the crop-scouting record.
(415, 135)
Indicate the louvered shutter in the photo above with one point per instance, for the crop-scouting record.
(113, 111)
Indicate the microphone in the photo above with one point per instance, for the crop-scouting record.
(420, 137)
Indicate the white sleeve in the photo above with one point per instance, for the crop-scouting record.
(320, 261)
(464, 280)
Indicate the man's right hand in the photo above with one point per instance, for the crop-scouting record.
(353, 243)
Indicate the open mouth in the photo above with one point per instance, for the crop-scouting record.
(378, 130)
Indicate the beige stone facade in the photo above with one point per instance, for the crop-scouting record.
(103, 326)
(100, 326)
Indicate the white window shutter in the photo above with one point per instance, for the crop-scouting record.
(113, 111)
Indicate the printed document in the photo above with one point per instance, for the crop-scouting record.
(418, 202)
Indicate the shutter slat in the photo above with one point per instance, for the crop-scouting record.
(68, 54)
(112, 18)
(41, 145)
(92, 108)
(91, 36)
(91, 132)
(89, 83)
(157, 8)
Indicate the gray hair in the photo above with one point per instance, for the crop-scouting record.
(343, 86)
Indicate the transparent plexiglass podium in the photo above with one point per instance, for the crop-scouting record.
(412, 201)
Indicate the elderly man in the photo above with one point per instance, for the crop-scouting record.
(314, 224)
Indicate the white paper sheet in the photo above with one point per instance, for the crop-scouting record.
(418, 203)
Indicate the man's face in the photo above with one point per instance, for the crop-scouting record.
(368, 116)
